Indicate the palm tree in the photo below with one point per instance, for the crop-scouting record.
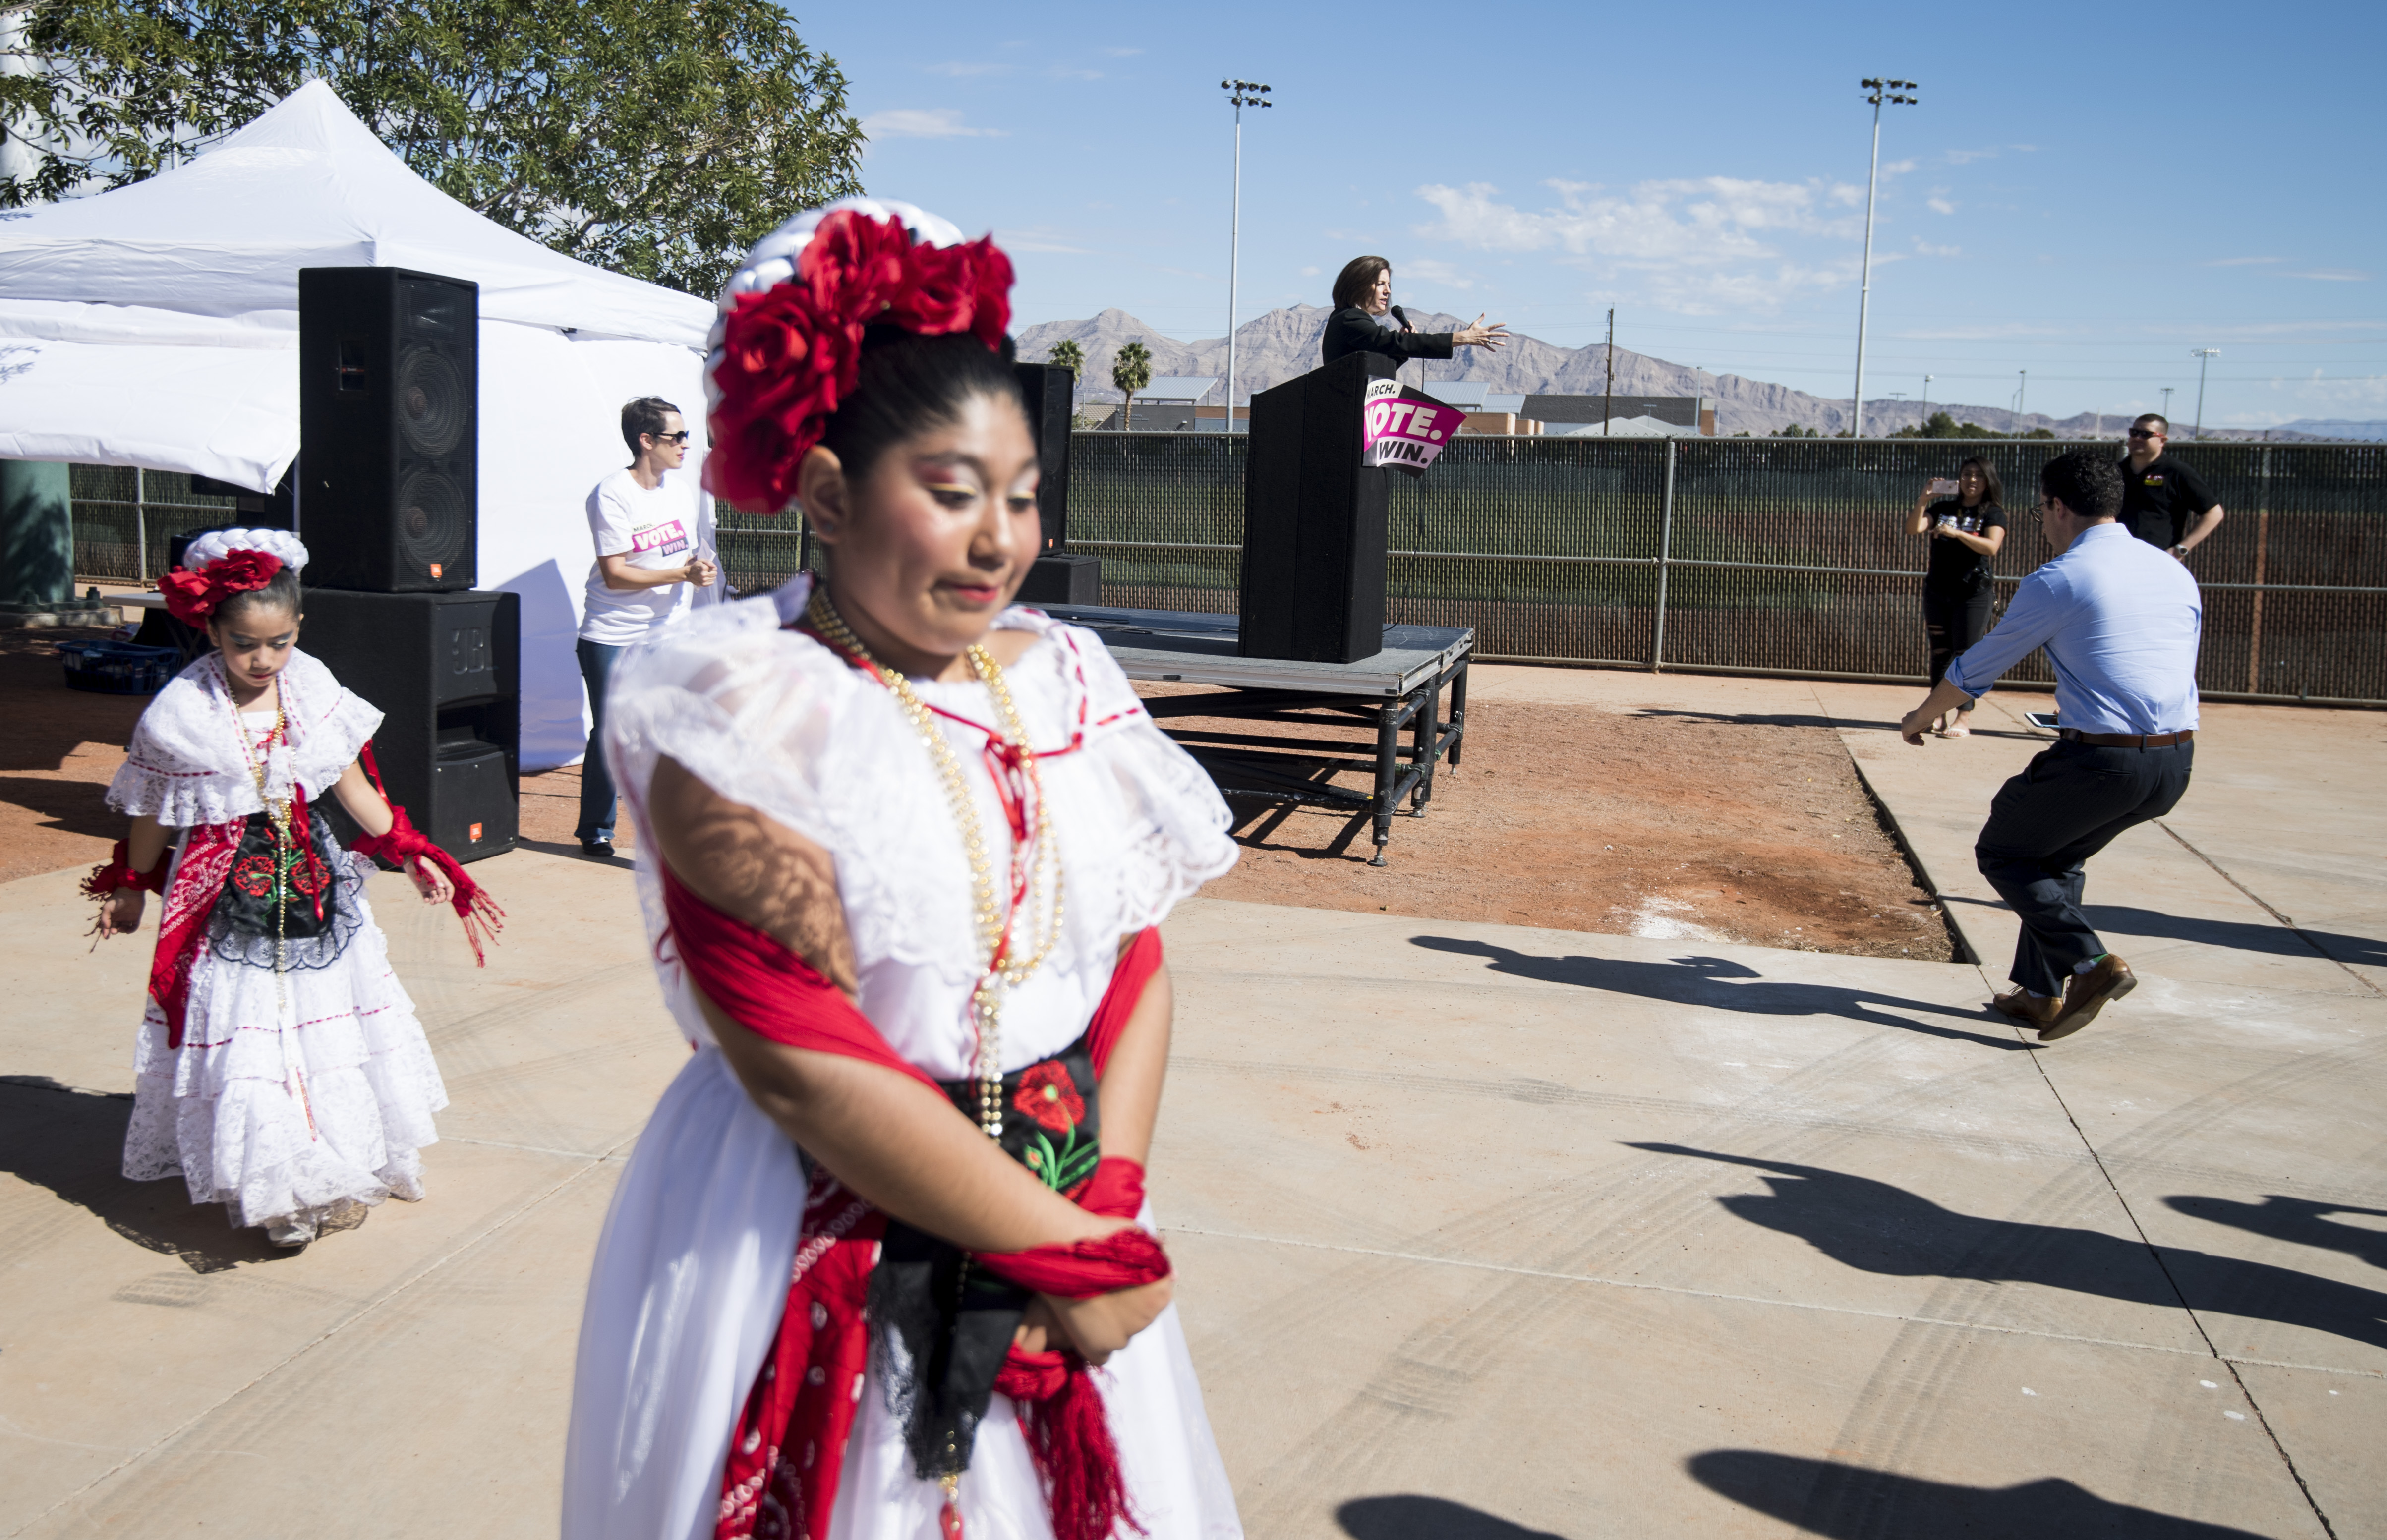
(1067, 355)
(1131, 370)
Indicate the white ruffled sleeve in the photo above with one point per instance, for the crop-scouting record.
(1176, 823)
(184, 766)
(746, 707)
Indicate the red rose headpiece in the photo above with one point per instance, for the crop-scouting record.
(789, 346)
(223, 562)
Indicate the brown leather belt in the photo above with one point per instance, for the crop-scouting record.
(2126, 740)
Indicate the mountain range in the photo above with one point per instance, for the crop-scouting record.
(1272, 348)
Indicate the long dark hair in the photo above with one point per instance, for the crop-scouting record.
(1358, 275)
(1993, 491)
(910, 384)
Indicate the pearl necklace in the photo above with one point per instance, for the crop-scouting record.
(1003, 969)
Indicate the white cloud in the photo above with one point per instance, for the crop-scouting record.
(961, 69)
(1965, 158)
(1041, 238)
(1704, 244)
(1311, 272)
(1940, 206)
(1122, 53)
(1063, 72)
(2243, 261)
(1898, 168)
(1432, 272)
(1925, 248)
(2334, 275)
(917, 122)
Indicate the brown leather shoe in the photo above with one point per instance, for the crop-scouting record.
(2090, 992)
(2031, 1010)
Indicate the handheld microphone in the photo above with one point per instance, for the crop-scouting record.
(1403, 316)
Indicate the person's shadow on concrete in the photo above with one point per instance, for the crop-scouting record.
(1876, 1228)
(1849, 1502)
(1413, 1518)
(2300, 1220)
(2239, 935)
(1712, 981)
(72, 1142)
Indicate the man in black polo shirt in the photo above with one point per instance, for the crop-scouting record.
(2164, 502)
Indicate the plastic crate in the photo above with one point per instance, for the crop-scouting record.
(119, 668)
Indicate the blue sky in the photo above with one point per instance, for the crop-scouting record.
(2085, 192)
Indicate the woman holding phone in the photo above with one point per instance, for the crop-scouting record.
(1965, 530)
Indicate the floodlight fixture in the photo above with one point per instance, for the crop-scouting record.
(1881, 89)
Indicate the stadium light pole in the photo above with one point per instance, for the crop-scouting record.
(2167, 411)
(1881, 91)
(2203, 357)
(1926, 396)
(1243, 93)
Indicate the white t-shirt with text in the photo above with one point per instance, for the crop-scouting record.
(655, 527)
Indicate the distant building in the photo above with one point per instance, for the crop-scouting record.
(1167, 405)
(1564, 414)
(1489, 411)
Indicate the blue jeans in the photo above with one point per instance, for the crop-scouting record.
(597, 799)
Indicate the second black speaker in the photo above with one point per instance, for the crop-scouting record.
(389, 428)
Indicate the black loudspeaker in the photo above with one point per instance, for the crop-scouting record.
(445, 670)
(1313, 585)
(389, 429)
(1060, 576)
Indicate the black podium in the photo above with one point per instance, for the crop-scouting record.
(1313, 584)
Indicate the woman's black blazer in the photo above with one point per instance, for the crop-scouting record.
(1353, 330)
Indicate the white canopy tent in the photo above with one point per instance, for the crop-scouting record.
(157, 325)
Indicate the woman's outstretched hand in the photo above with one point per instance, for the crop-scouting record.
(1492, 338)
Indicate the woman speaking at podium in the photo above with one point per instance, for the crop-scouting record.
(1364, 292)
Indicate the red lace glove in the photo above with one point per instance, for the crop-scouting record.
(117, 872)
(471, 903)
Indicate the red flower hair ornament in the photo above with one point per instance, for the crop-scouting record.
(223, 562)
(787, 350)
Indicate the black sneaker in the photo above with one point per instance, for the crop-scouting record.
(597, 850)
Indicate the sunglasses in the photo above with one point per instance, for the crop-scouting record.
(679, 437)
(2144, 432)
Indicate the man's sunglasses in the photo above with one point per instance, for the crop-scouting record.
(679, 437)
(2134, 432)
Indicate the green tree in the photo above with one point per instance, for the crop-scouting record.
(1131, 370)
(1067, 355)
(657, 140)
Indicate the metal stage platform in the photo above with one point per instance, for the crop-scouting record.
(1400, 686)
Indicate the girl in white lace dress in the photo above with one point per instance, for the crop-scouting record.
(279, 1067)
(900, 848)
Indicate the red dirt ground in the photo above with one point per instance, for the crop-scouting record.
(1574, 818)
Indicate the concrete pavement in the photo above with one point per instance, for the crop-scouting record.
(1483, 1230)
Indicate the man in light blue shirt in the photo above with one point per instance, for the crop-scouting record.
(2121, 621)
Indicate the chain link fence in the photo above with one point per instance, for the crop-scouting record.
(1759, 555)
(123, 519)
(1741, 555)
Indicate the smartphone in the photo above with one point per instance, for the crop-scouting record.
(2044, 721)
(1943, 487)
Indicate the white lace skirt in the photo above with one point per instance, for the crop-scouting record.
(296, 1097)
(684, 1301)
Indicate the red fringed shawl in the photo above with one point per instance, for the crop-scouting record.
(789, 1445)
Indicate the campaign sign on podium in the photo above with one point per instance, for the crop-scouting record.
(1315, 498)
(1403, 430)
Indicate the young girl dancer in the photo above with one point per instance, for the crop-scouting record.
(901, 849)
(280, 1068)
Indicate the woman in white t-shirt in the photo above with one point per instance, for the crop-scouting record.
(647, 543)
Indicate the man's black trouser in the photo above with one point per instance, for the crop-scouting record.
(2066, 805)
